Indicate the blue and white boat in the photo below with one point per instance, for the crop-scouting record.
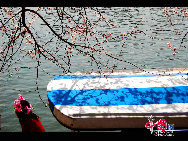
(122, 99)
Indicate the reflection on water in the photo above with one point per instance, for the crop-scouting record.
(147, 49)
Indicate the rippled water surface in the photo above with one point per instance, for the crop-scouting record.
(140, 49)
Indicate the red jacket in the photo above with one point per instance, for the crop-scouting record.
(32, 125)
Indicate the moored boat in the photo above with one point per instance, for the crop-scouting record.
(122, 99)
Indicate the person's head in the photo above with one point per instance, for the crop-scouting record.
(23, 109)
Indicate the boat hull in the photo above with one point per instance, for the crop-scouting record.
(122, 99)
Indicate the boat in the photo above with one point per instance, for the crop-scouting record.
(102, 100)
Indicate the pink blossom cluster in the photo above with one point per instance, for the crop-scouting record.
(18, 106)
(170, 46)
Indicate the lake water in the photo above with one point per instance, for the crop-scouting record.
(140, 49)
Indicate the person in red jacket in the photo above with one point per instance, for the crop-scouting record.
(29, 121)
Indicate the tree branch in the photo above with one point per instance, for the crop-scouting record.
(71, 44)
(23, 16)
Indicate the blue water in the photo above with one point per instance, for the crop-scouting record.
(143, 51)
